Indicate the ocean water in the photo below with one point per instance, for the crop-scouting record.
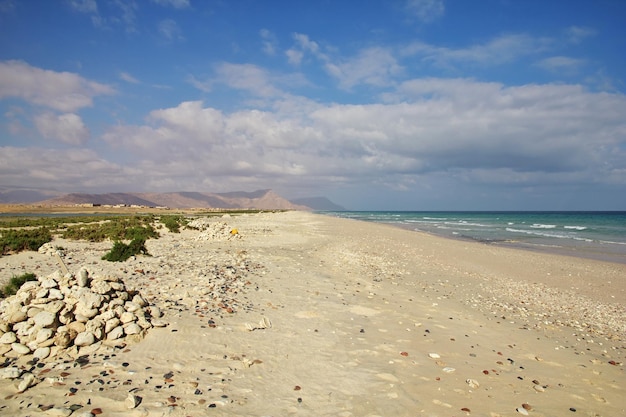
(596, 235)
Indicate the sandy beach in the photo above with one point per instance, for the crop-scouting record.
(308, 315)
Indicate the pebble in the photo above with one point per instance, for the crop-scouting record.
(472, 383)
(522, 411)
(132, 401)
(434, 355)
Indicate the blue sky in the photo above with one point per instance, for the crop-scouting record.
(405, 104)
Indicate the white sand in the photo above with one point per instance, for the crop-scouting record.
(355, 310)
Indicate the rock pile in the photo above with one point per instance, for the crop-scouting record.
(72, 314)
(212, 230)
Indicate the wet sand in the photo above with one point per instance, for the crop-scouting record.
(335, 317)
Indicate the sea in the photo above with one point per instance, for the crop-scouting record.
(593, 235)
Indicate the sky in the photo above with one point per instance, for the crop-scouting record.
(375, 104)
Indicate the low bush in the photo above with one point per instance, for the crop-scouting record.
(15, 283)
(122, 251)
(173, 223)
(12, 240)
(130, 228)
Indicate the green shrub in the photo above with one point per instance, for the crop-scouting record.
(135, 227)
(121, 251)
(173, 223)
(24, 239)
(15, 283)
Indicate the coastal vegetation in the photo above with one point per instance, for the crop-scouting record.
(15, 283)
(17, 240)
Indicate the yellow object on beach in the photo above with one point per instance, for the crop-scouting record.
(234, 232)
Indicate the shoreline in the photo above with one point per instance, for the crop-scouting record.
(343, 318)
(580, 251)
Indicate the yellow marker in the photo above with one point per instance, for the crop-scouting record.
(234, 232)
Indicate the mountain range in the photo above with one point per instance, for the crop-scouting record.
(261, 199)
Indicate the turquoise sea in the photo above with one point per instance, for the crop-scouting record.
(596, 235)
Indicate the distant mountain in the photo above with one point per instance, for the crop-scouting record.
(10, 194)
(318, 203)
(261, 199)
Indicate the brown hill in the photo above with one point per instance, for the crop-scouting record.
(261, 199)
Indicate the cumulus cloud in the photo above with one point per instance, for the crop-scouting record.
(62, 91)
(373, 66)
(477, 132)
(561, 64)
(246, 77)
(71, 169)
(68, 128)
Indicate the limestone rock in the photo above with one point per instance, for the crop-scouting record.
(44, 319)
(84, 339)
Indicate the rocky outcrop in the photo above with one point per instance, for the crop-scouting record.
(72, 314)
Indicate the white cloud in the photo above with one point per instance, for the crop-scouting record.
(372, 66)
(84, 6)
(561, 64)
(477, 132)
(294, 57)
(62, 91)
(128, 78)
(500, 50)
(170, 30)
(247, 77)
(177, 4)
(37, 167)
(426, 10)
(270, 43)
(68, 128)
(576, 34)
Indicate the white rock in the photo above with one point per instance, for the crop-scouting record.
(127, 317)
(132, 401)
(132, 328)
(116, 333)
(49, 283)
(82, 278)
(12, 372)
(90, 300)
(43, 335)
(41, 353)
(44, 319)
(8, 338)
(100, 287)
(434, 355)
(55, 294)
(28, 380)
(139, 300)
(472, 383)
(59, 411)
(111, 324)
(20, 348)
(155, 312)
(77, 326)
(17, 316)
(84, 339)
(56, 305)
(132, 307)
(522, 411)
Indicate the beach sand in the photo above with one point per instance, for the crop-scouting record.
(335, 317)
